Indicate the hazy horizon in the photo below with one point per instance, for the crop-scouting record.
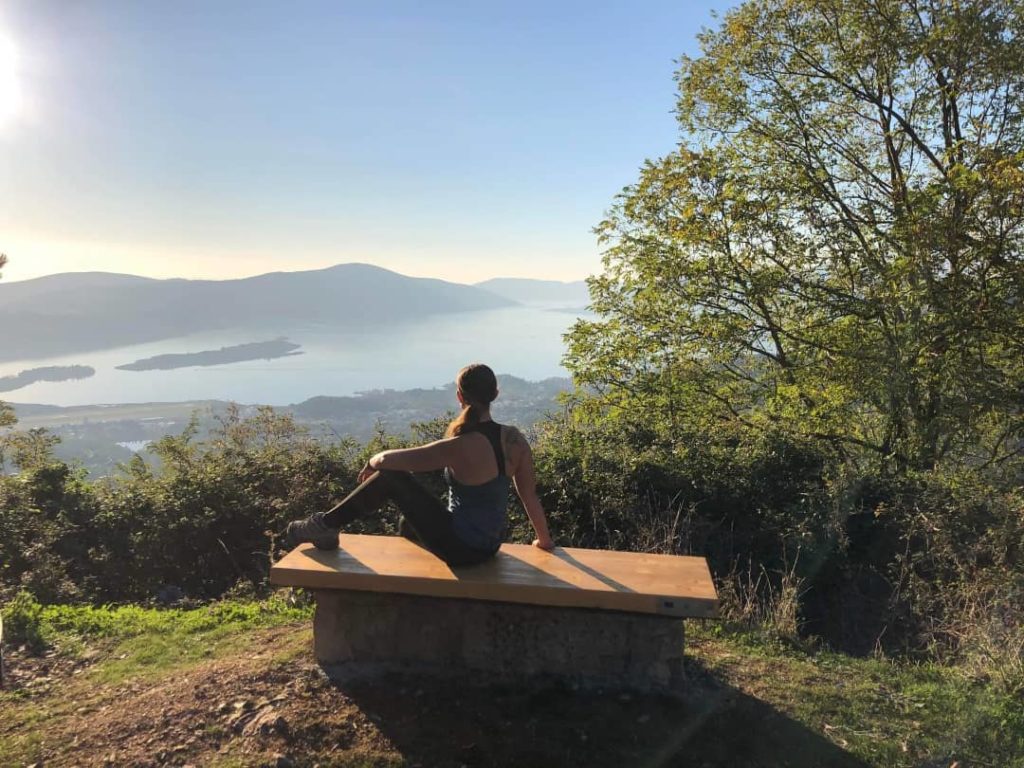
(7, 280)
(215, 141)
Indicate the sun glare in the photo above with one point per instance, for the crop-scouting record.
(10, 96)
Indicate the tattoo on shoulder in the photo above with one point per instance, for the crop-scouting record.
(516, 438)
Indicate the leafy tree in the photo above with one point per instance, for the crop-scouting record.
(835, 248)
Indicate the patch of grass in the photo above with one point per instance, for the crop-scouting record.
(228, 761)
(123, 621)
(20, 730)
(152, 655)
(153, 642)
(20, 750)
(138, 645)
(883, 712)
(71, 627)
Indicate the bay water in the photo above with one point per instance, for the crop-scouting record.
(525, 341)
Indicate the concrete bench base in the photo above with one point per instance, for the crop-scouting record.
(364, 632)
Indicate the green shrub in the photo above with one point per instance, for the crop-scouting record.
(800, 539)
(23, 623)
(204, 523)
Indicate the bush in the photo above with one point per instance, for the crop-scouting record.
(799, 540)
(207, 520)
(204, 521)
(961, 568)
(23, 623)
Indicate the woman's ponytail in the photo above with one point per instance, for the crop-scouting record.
(478, 386)
(469, 416)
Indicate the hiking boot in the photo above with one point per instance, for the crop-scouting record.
(313, 530)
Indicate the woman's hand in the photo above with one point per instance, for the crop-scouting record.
(546, 544)
(371, 466)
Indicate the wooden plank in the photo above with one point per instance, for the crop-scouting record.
(667, 585)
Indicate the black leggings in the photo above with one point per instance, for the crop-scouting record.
(424, 518)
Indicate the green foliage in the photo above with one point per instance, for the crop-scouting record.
(613, 484)
(800, 542)
(202, 523)
(210, 516)
(835, 249)
(807, 362)
(202, 520)
(41, 511)
(24, 623)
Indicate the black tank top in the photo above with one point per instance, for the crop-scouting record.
(479, 511)
(492, 431)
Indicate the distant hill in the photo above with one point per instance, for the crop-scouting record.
(76, 312)
(544, 292)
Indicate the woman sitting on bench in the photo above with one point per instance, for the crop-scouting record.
(473, 526)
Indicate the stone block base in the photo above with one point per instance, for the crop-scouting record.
(364, 632)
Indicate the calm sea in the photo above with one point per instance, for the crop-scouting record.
(523, 341)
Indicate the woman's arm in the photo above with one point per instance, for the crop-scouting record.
(424, 458)
(525, 481)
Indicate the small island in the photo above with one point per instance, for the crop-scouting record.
(46, 373)
(257, 350)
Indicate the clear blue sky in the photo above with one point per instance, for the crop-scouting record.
(221, 138)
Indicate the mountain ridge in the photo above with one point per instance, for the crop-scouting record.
(78, 312)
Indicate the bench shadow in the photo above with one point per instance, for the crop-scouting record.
(513, 569)
(333, 558)
(348, 562)
(561, 554)
(433, 721)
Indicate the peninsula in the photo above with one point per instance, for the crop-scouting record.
(257, 350)
(46, 373)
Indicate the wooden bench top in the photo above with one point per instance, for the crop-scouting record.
(666, 585)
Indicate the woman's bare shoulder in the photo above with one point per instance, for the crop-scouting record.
(515, 433)
(513, 440)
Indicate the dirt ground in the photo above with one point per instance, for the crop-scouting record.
(269, 704)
